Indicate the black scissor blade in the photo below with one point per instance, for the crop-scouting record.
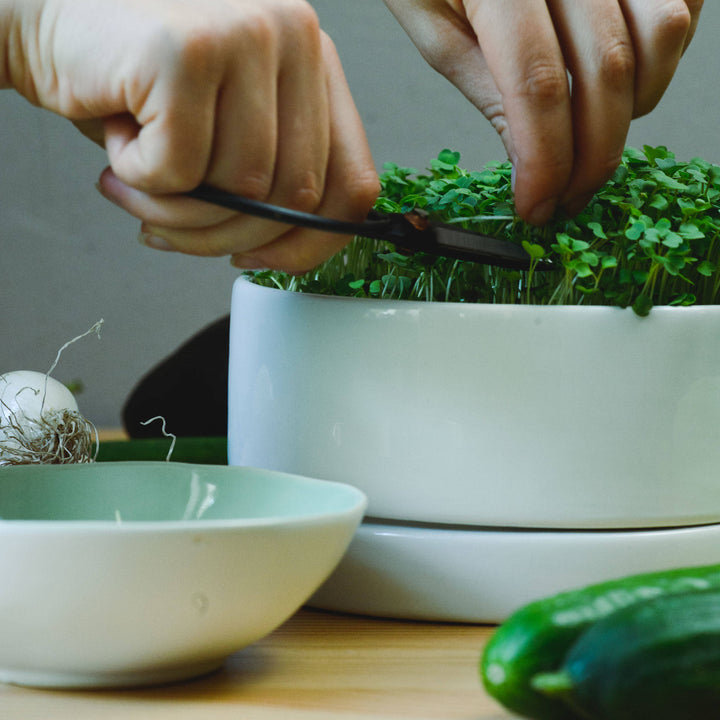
(466, 245)
(459, 244)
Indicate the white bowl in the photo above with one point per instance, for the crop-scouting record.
(490, 415)
(139, 573)
(483, 575)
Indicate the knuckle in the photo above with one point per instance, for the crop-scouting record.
(328, 50)
(674, 21)
(179, 177)
(494, 112)
(298, 27)
(188, 48)
(441, 57)
(255, 185)
(305, 20)
(545, 84)
(361, 192)
(617, 64)
(257, 32)
(306, 193)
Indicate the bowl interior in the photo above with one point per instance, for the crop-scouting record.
(166, 492)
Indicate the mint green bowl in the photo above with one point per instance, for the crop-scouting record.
(135, 573)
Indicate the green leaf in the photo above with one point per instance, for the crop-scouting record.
(487, 177)
(635, 231)
(667, 182)
(587, 290)
(653, 154)
(535, 251)
(564, 241)
(690, 231)
(597, 230)
(394, 258)
(608, 261)
(672, 240)
(706, 268)
(659, 202)
(449, 157)
(590, 258)
(642, 305)
(685, 299)
(650, 236)
(580, 268)
(631, 154)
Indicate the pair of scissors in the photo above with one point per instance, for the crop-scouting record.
(412, 231)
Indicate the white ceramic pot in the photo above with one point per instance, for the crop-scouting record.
(483, 415)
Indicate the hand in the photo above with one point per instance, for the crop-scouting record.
(512, 58)
(245, 95)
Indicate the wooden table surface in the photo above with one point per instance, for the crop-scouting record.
(317, 666)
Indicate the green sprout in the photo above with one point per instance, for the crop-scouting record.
(649, 237)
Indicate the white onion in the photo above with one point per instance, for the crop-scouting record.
(40, 421)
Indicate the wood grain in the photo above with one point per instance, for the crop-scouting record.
(317, 665)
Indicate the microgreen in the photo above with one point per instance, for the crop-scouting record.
(648, 237)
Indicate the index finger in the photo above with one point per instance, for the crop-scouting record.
(521, 49)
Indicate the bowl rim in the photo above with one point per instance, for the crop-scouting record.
(355, 509)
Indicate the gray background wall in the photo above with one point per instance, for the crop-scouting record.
(68, 257)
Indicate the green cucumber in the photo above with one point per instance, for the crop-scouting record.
(657, 660)
(200, 450)
(536, 638)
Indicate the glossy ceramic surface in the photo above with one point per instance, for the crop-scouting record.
(138, 573)
(491, 415)
(482, 575)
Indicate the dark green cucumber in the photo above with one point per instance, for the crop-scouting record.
(199, 450)
(656, 660)
(536, 638)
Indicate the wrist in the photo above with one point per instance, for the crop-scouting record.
(7, 23)
(19, 19)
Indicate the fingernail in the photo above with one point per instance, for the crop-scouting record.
(245, 262)
(103, 191)
(577, 205)
(154, 242)
(542, 212)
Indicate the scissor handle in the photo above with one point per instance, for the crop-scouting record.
(267, 211)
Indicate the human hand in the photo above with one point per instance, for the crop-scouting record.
(512, 58)
(245, 95)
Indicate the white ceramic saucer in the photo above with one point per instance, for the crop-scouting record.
(476, 575)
